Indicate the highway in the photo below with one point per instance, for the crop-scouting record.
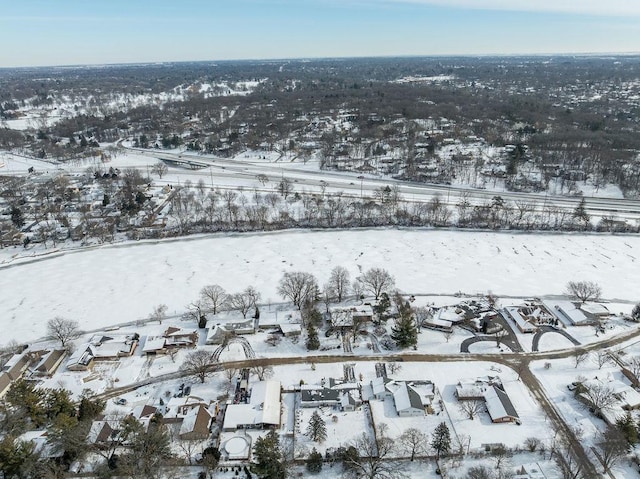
(365, 186)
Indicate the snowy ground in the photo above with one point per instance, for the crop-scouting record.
(122, 283)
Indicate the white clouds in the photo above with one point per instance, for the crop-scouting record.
(585, 7)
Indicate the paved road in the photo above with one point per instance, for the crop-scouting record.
(355, 185)
(549, 329)
(518, 361)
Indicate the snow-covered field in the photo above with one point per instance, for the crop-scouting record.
(122, 283)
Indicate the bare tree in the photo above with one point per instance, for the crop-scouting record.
(285, 187)
(213, 297)
(242, 302)
(159, 313)
(599, 395)
(584, 290)
(376, 281)
(199, 364)
(579, 356)
(253, 295)
(372, 458)
(339, 282)
(299, 287)
(413, 442)
(394, 367)
(173, 354)
(471, 408)
(64, 330)
(603, 358)
(634, 366)
(611, 448)
(230, 374)
(479, 472)
(263, 372)
(570, 467)
(499, 456)
(159, 169)
(532, 443)
(327, 296)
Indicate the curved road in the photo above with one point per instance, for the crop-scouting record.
(517, 361)
(548, 329)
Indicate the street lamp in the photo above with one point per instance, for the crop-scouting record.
(361, 178)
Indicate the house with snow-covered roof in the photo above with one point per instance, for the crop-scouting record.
(49, 362)
(274, 319)
(221, 332)
(568, 313)
(261, 411)
(332, 393)
(346, 317)
(525, 323)
(17, 365)
(195, 424)
(406, 399)
(469, 389)
(490, 390)
(102, 348)
(179, 337)
(5, 384)
(499, 405)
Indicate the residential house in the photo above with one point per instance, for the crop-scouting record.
(222, 331)
(196, 423)
(332, 393)
(347, 317)
(275, 319)
(49, 362)
(624, 398)
(490, 390)
(178, 337)
(525, 323)
(102, 348)
(499, 406)
(172, 338)
(5, 384)
(41, 445)
(261, 411)
(568, 313)
(406, 399)
(17, 365)
(103, 433)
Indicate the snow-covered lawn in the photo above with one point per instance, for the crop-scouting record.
(122, 283)
(342, 429)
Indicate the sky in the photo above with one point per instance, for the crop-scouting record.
(72, 32)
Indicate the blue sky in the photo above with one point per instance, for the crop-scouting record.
(66, 32)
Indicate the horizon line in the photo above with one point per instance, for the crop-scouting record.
(319, 58)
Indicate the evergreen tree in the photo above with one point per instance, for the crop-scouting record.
(580, 213)
(16, 457)
(628, 427)
(441, 440)
(404, 332)
(28, 402)
(313, 343)
(89, 407)
(314, 461)
(17, 218)
(384, 303)
(269, 463)
(317, 429)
